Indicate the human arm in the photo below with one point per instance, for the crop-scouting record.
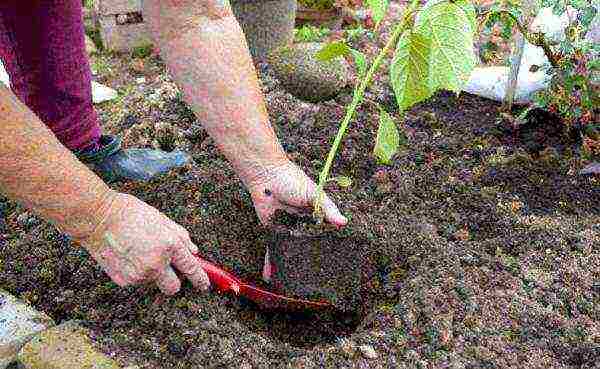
(206, 53)
(119, 231)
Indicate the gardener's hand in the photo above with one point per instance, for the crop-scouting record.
(287, 187)
(136, 244)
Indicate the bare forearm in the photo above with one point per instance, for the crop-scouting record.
(206, 53)
(36, 170)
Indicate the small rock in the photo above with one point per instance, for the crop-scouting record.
(19, 322)
(593, 168)
(26, 220)
(491, 82)
(66, 346)
(305, 77)
(101, 93)
(140, 80)
(368, 351)
(122, 19)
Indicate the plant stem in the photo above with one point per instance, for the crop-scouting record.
(537, 39)
(356, 100)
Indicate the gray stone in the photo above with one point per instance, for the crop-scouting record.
(19, 322)
(593, 168)
(66, 346)
(113, 7)
(102, 93)
(305, 77)
(122, 37)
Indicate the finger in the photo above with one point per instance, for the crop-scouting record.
(330, 210)
(168, 282)
(189, 266)
(332, 213)
(267, 268)
(186, 240)
(108, 263)
(184, 236)
(265, 208)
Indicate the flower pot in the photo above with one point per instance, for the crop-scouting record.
(316, 15)
(267, 24)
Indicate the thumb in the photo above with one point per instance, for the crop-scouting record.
(168, 282)
(330, 210)
(187, 264)
(332, 213)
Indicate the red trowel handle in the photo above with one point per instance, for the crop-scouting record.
(222, 280)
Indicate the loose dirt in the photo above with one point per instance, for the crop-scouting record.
(484, 242)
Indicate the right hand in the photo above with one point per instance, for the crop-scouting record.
(137, 244)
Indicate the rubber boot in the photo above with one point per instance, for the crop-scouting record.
(112, 163)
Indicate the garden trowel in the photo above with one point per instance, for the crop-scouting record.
(227, 282)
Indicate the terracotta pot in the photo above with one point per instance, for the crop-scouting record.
(307, 14)
(267, 24)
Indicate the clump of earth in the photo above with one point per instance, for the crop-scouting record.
(318, 264)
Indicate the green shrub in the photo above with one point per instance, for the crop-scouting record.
(308, 33)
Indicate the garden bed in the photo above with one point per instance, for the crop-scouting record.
(485, 242)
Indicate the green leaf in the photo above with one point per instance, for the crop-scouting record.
(333, 50)
(409, 70)
(342, 181)
(587, 16)
(378, 9)
(388, 139)
(451, 27)
(361, 62)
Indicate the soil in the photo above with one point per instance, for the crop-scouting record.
(317, 264)
(484, 240)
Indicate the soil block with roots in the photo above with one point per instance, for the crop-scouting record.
(316, 263)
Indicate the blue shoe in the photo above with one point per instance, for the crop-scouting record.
(115, 164)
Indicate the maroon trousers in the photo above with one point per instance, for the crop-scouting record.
(43, 49)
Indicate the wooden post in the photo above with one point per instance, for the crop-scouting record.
(516, 57)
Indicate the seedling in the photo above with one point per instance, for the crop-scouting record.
(433, 50)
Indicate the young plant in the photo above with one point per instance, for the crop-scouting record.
(433, 50)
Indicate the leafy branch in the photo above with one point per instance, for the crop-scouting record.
(433, 50)
(534, 38)
(357, 99)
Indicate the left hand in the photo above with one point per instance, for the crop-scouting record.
(287, 187)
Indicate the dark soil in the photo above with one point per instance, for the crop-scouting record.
(484, 242)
